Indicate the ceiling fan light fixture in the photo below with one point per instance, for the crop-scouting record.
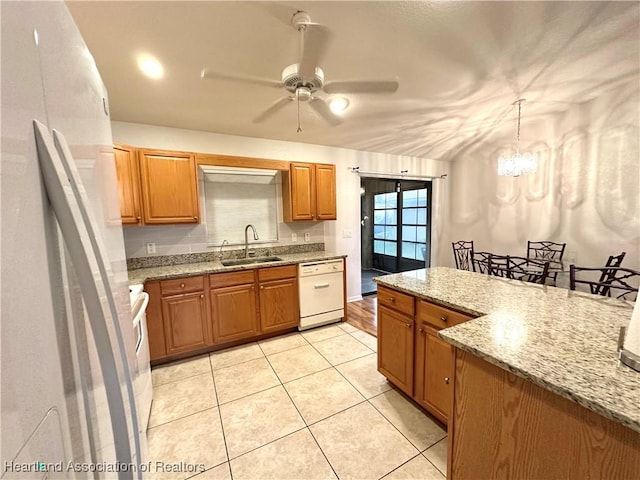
(303, 94)
(338, 104)
(150, 66)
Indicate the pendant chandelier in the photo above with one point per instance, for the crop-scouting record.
(514, 165)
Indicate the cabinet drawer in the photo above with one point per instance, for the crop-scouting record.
(181, 285)
(218, 280)
(396, 300)
(277, 273)
(439, 317)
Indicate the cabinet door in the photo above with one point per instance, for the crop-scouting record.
(437, 388)
(185, 322)
(325, 192)
(155, 324)
(128, 184)
(169, 187)
(395, 348)
(279, 305)
(303, 198)
(233, 312)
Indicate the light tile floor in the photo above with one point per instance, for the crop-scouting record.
(298, 406)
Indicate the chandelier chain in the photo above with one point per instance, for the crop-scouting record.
(518, 135)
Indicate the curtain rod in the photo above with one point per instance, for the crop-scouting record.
(403, 174)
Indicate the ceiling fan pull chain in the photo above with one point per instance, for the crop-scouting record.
(298, 103)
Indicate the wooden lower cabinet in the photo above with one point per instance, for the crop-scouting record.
(177, 316)
(185, 322)
(395, 348)
(279, 305)
(234, 314)
(198, 313)
(410, 353)
(433, 372)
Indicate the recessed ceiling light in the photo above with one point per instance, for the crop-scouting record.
(151, 67)
(338, 104)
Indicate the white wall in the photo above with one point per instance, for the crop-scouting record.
(586, 191)
(348, 185)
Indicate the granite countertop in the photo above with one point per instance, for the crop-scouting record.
(564, 341)
(141, 275)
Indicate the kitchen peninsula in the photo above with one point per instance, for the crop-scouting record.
(534, 386)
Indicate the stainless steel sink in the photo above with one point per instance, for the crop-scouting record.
(249, 261)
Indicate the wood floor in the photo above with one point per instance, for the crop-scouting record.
(363, 314)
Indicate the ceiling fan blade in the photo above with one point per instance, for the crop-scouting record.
(313, 44)
(320, 106)
(208, 74)
(362, 86)
(278, 105)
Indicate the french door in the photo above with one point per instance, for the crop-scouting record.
(401, 219)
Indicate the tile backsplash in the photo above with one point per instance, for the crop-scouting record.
(181, 239)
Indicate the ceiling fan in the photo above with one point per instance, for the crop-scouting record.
(303, 80)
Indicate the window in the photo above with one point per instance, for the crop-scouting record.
(235, 197)
(414, 224)
(385, 223)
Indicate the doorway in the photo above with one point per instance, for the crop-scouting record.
(396, 233)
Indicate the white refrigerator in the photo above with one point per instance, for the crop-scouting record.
(67, 346)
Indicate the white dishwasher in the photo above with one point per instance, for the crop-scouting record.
(321, 287)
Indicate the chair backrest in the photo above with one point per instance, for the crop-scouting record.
(462, 254)
(618, 282)
(519, 268)
(546, 250)
(608, 274)
(480, 261)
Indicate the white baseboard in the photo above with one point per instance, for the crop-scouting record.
(357, 298)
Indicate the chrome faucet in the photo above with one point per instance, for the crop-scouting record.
(224, 242)
(246, 238)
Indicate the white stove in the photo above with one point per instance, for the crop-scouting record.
(142, 382)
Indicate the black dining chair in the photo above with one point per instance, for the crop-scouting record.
(618, 282)
(462, 254)
(602, 284)
(519, 268)
(547, 250)
(480, 261)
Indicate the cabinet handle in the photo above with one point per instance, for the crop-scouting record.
(202, 295)
(182, 285)
(138, 219)
(408, 325)
(261, 287)
(446, 380)
(195, 218)
(443, 319)
(392, 300)
(421, 331)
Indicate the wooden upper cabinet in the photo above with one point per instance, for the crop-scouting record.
(309, 192)
(169, 184)
(299, 193)
(128, 184)
(325, 192)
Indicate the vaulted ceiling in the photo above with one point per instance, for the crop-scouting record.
(460, 65)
